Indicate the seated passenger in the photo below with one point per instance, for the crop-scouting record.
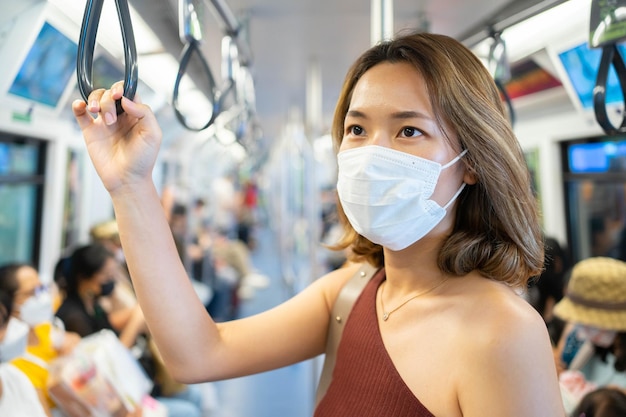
(18, 397)
(90, 272)
(33, 306)
(89, 275)
(121, 303)
(594, 342)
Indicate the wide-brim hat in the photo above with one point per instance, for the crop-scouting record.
(596, 294)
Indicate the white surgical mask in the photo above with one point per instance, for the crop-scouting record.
(385, 194)
(37, 309)
(15, 340)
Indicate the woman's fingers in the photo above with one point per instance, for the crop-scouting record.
(107, 107)
(84, 119)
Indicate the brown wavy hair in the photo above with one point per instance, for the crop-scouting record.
(497, 230)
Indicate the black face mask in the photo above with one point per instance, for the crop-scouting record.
(107, 288)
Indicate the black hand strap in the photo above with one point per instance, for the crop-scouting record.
(216, 96)
(87, 43)
(192, 46)
(610, 55)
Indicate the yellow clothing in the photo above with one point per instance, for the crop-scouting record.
(35, 363)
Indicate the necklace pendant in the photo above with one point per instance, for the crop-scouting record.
(385, 316)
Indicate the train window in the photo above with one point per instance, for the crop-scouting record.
(595, 195)
(21, 193)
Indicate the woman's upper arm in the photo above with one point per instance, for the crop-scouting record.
(511, 371)
(291, 332)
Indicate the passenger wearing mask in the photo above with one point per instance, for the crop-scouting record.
(89, 274)
(437, 198)
(47, 340)
(18, 397)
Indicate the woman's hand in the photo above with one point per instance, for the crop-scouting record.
(123, 148)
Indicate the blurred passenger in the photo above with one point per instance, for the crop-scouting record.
(47, 340)
(437, 195)
(246, 218)
(121, 303)
(18, 397)
(91, 269)
(594, 306)
(603, 402)
(90, 276)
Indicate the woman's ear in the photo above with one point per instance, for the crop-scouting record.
(470, 177)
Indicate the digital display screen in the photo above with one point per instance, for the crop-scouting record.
(581, 64)
(597, 157)
(47, 69)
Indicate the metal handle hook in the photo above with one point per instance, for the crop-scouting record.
(87, 43)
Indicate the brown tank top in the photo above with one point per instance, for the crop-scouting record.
(365, 382)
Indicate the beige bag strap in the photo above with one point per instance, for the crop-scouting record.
(341, 309)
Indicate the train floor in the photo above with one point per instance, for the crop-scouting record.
(288, 391)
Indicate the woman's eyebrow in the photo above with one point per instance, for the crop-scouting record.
(409, 114)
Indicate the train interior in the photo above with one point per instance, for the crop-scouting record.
(275, 69)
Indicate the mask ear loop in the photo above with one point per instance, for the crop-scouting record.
(454, 197)
(459, 156)
(462, 187)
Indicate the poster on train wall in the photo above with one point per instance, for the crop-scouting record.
(607, 22)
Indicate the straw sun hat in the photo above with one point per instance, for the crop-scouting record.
(596, 294)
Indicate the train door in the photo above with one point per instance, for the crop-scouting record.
(595, 195)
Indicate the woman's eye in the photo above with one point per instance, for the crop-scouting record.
(410, 132)
(356, 130)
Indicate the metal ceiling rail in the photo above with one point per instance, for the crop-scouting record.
(509, 15)
(233, 28)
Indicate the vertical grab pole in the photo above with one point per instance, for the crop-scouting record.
(381, 21)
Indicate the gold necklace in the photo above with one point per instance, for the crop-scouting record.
(386, 314)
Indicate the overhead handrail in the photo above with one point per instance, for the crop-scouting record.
(498, 65)
(606, 29)
(610, 55)
(191, 35)
(233, 28)
(87, 43)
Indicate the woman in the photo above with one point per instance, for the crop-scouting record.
(18, 396)
(89, 276)
(423, 141)
(46, 340)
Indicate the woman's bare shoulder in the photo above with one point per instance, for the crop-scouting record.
(506, 346)
(332, 282)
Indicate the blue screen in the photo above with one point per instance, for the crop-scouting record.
(47, 69)
(598, 157)
(581, 64)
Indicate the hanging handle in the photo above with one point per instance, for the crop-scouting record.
(190, 48)
(87, 43)
(498, 65)
(610, 55)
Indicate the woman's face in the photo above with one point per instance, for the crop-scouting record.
(390, 107)
(29, 285)
(105, 275)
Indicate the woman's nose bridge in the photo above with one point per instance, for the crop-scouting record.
(380, 137)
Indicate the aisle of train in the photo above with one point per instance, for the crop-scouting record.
(284, 392)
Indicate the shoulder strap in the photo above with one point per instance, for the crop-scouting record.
(341, 309)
